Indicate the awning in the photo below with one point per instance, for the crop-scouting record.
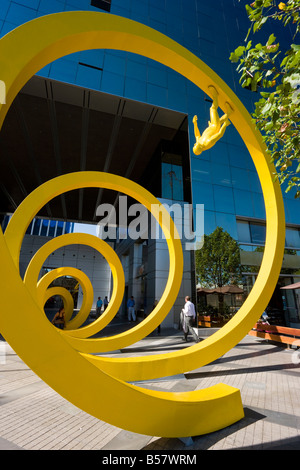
(292, 286)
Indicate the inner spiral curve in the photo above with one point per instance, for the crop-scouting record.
(33, 269)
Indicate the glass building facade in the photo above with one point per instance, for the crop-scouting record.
(224, 178)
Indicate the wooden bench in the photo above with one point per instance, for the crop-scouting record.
(278, 334)
(210, 322)
(204, 320)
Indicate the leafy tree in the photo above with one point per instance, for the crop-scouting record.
(274, 70)
(218, 261)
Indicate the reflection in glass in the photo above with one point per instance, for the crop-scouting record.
(36, 228)
(172, 177)
(292, 238)
(44, 227)
(243, 232)
(258, 233)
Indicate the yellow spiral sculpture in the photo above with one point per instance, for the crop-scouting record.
(64, 359)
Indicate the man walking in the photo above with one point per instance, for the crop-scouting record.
(131, 309)
(188, 317)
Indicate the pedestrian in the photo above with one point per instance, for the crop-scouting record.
(59, 319)
(105, 303)
(99, 307)
(131, 309)
(188, 315)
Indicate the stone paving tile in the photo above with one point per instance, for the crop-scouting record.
(35, 417)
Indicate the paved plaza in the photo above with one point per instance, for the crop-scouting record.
(35, 417)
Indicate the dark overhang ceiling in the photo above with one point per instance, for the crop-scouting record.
(53, 128)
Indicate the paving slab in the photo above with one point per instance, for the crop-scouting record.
(35, 417)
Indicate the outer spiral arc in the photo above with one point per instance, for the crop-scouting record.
(23, 52)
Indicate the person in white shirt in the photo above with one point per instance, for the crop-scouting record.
(188, 316)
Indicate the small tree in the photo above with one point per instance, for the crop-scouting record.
(218, 261)
(274, 70)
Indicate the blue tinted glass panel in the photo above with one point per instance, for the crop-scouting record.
(157, 14)
(172, 182)
(176, 82)
(203, 194)
(69, 227)
(139, 7)
(293, 206)
(157, 76)
(157, 95)
(136, 70)
(19, 14)
(115, 64)
(51, 7)
(259, 206)
(243, 231)
(254, 182)
(112, 83)
(219, 152)
(228, 223)
(201, 170)
(292, 237)
(88, 77)
(36, 227)
(29, 3)
(177, 101)
(52, 228)
(209, 222)
(4, 5)
(174, 6)
(135, 89)
(224, 199)
(237, 157)
(44, 227)
(258, 233)
(243, 203)
(221, 175)
(92, 57)
(64, 70)
(240, 178)
(160, 4)
(59, 228)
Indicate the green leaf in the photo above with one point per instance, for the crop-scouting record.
(240, 51)
(233, 57)
(271, 39)
(248, 9)
(266, 108)
(295, 47)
